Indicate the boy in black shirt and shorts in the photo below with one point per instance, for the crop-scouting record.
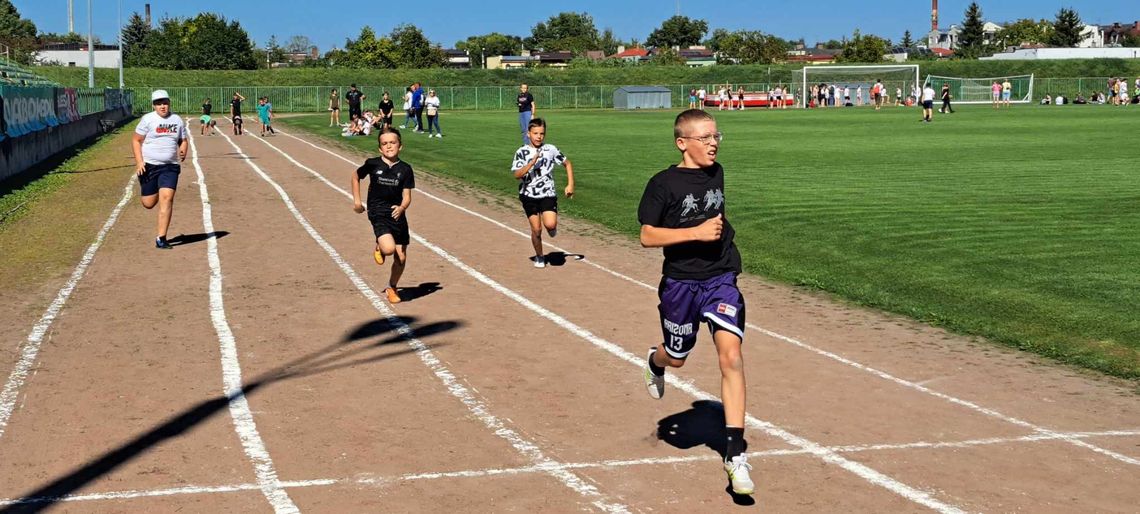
(389, 195)
(533, 166)
(682, 212)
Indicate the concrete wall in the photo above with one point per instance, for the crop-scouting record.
(20, 153)
(79, 58)
(1067, 53)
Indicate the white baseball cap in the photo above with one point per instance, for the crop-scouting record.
(159, 94)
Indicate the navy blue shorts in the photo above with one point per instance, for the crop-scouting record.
(157, 176)
(685, 303)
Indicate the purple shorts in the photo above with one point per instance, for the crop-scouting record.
(685, 303)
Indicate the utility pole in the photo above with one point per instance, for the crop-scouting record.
(70, 16)
(90, 50)
(678, 7)
(120, 44)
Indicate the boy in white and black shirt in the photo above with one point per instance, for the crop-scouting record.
(533, 166)
(160, 143)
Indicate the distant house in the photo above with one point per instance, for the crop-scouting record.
(634, 54)
(298, 58)
(1116, 34)
(75, 54)
(456, 58)
(1091, 37)
(948, 38)
(551, 59)
(818, 55)
(697, 56)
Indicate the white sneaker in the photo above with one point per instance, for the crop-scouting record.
(540, 262)
(737, 470)
(654, 383)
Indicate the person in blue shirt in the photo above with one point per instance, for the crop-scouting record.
(418, 106)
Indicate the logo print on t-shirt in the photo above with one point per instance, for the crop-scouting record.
(714, 198)
(689, 204)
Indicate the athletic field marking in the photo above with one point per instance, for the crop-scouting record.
(821, 452)
(453, 385)
(231, 367)
(882, 374)
(608, 464)
(32, 344)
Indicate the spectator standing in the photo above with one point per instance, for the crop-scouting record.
(407, 107)
(387, 109)
(946, 109)
(334, 108)
(354, 97)
(418, 106)
(431, 104)
(527, 110)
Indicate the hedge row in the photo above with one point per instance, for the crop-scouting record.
(640, 75)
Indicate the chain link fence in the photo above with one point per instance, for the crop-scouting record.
(493, 98)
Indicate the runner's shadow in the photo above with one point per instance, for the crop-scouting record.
(559, 258)
(702, 425)
(335, 356)
(408, 294)
(185, 239)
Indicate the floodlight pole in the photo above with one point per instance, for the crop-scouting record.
(90, 50)
(120, 44)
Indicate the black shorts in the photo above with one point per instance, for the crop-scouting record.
(536, 206)
(354, 110)
(382, 223)
(928, 104)
(386, 120)
(158, 176)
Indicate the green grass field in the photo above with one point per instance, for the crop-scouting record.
(1017, 225)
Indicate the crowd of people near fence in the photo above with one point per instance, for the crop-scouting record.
(1117, 92)
(875, 94)
(362, 122)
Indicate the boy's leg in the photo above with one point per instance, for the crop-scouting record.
(398, 264)
(535, 221)
(550, 223)
(165, 210)
(732, 383)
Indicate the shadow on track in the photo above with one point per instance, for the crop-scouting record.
(341, 354)
(560, 258)
(185, 239)
(408, 294)
(701, 425)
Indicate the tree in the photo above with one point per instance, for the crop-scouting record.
(491, 44)
(907, 40)
(566, 31)
(299, 44)
(971, 42)
(1025, 31)
(1066, 29)
(748, 47)
(609, 43)
(134, 39)
(666, 56)
(17, 33)
(273, 53)
(679, 31)
(72, 38)
(412, 49)
(366, 51)
(1132, 41)
(860, 48)
(834, 44)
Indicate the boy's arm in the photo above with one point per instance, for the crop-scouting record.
(356, 205)
(136, 145)
(658, 237)
(569, 178)
(398, 210)
(521, 172)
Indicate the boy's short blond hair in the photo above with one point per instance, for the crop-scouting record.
(687, 118)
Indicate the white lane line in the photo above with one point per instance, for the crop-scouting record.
(861, 470)
(32, 344)
(246, 429)
(818, 351)
(605, 465)
(453, 385)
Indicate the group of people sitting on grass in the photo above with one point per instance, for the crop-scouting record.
(1096, 98)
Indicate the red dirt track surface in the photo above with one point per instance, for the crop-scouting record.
(497, 386)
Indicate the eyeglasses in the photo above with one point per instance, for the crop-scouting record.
(718, 137)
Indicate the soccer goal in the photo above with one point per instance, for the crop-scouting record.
(896, 78)
(980, 90)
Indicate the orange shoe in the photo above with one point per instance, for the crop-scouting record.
(393, 297)
(378, 256)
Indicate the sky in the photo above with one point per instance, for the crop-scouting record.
(328, 24)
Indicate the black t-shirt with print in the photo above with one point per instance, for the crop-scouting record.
(526, 102)
(207, 109)
(683, 198)
(353, 97)
(236, 106)
(386, 107)
(386, 184)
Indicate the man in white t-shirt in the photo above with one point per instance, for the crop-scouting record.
(160, 143)
(701, 94)
(927, 103)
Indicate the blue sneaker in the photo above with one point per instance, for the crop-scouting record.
(161, 244)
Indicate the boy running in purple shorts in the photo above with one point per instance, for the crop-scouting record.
(682, 212)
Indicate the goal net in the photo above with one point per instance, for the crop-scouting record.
(980, 90)
(896, 79)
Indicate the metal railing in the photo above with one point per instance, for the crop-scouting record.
(482, 98)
